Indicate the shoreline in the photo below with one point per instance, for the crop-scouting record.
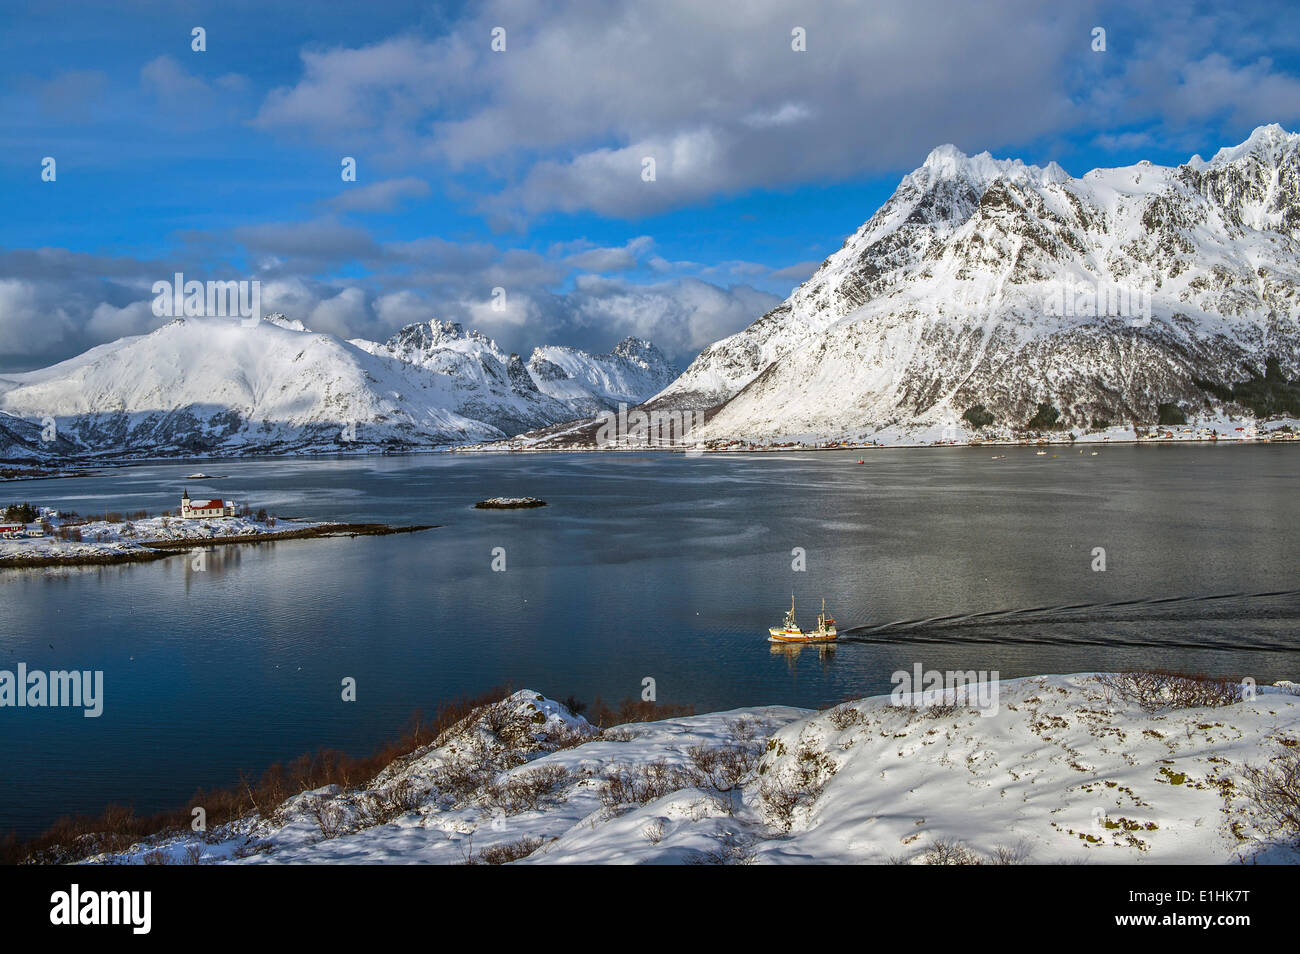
(150, 550)
(700, 452)
(94, 467)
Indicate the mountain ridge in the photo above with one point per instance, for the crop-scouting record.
(939, 302)
(213, 386)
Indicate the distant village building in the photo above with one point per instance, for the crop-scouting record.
(204, 508)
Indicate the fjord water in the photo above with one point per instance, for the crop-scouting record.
(656, 566)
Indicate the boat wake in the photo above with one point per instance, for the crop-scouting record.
(1275, 609)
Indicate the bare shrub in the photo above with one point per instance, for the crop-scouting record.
(783, 793)
(329, 815)
(561, 737)
(385, 804)
(781, 796)
(636, 710)
(640, 784)
(618, 734)
(1156, 690)
(1017, 854)
(722, 768)
(743, 729)
(505, 853)
(529, 790)
(733, 849)
(845, 716)
(654, 832)
(949, 853)
(1274, 792)
(513, 728)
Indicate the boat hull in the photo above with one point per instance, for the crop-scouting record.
(798, 636)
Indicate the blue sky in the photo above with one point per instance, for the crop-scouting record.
(522, 168)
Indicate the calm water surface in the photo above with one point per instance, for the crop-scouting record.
(655, 566)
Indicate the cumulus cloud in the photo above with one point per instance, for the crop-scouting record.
(618, 259)
(382, 196)
(186, 95)
(719, 99)
(55, 303)
(341, 313)
(26, 325)
(108, 322)
(716, 95)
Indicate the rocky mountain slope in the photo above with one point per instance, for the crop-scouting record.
(557, 384)
(591, 383)
(990, 289)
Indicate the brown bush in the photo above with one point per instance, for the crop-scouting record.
(1157, 689)
(781, 797)
(635, 710)
(528, 790)
(117, 828)
(505, 853)
(845, 716)
(949, 853)
(640, 784)
(1274, 792)
(723, 768)
(386, 804)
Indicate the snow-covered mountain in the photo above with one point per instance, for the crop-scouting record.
(989, 284)
(210, 386)
(487, 385)
(591, 383)
(213, 386)
(557, 384)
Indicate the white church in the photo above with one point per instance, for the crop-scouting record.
(204, 508)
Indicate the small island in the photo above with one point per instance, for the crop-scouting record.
(509, 503)
(32, 537)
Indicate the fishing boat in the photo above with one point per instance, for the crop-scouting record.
(789, 631)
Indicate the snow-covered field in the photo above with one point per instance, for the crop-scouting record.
(1067, 770)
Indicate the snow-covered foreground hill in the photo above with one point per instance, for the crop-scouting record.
(1067, 770)
(986, 290)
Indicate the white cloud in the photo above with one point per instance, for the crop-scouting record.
(27, 327)
(382, 196)
(108, 322)
(339, 314)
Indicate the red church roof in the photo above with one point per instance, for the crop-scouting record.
(207, 505)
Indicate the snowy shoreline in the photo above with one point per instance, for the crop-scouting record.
(1067, 770)
(152, 539)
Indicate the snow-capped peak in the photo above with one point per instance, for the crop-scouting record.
(1269, 141)
(949, 162)
(284, 321)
